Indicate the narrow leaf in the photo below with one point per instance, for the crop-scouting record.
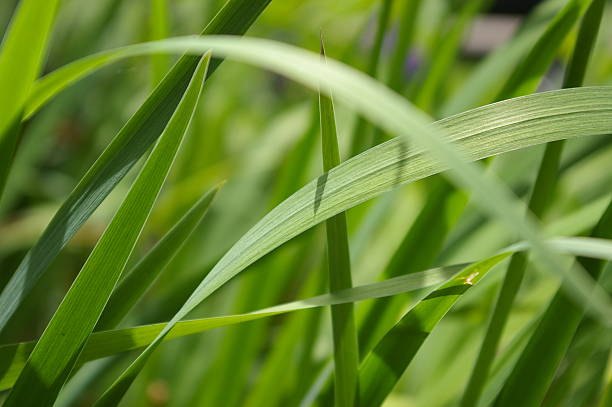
(396, 116)
(107, 343)
(346, 354)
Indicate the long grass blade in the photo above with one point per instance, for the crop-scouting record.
(21, 58)
(395, 116)
(346, 354)
(134, 139)
(56, 352)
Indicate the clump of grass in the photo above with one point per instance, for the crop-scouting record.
(438, 245)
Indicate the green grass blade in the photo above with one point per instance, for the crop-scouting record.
(146, 271)
(56, 352)
(384, 365)
(362, 129)
(543, 189)
(21, 58)
(535, 369)
(346, 354)
(421, 284)
(585, 42)
(141, 131)
(396, 116)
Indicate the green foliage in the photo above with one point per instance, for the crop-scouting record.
(106, 254)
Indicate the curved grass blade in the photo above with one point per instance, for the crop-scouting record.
(384, 365)
(544, 187)
(21, 58)
(108, 343)
(535, 369)
(139, 133)
(55, 354)
(346, 353)
(136, 282)
(395, 115)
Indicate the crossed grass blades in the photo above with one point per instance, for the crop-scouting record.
(439, 245)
